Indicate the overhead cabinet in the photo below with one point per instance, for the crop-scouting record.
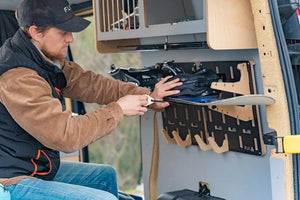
(128, 20)
(127, 24)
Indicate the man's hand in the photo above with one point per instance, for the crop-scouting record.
(163, 89)
(133, 105)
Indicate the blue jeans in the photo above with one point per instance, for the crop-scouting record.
(73, 181)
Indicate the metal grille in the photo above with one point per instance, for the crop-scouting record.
(117, 15)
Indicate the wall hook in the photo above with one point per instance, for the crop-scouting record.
(168, 139)
(216, 147)
(203, 146)
(180, 142)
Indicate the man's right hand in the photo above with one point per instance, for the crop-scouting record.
(133, 105)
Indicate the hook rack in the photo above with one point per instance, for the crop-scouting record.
(230, 124)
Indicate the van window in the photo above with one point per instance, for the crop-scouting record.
(122, 148)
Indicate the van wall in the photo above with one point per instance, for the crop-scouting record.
(231, 175)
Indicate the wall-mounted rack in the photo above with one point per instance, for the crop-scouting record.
(231, 126)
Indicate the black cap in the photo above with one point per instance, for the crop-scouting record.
(57, 13)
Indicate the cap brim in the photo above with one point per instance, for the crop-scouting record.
(75, 24)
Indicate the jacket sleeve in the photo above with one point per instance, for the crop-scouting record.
(89, 87)
(28, 99)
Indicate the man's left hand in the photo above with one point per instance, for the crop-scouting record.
(163, 89)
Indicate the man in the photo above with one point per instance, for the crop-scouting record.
(34, 125)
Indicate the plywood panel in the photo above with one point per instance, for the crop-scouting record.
(230, 24)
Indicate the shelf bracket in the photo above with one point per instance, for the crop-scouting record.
(244, 113)
(239, 87)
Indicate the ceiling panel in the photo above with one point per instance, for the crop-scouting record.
(12, 4)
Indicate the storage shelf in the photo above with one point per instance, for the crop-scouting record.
(115, 24)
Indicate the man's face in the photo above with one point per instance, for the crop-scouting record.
(54, 43)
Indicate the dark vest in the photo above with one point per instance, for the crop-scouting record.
(20, 153)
